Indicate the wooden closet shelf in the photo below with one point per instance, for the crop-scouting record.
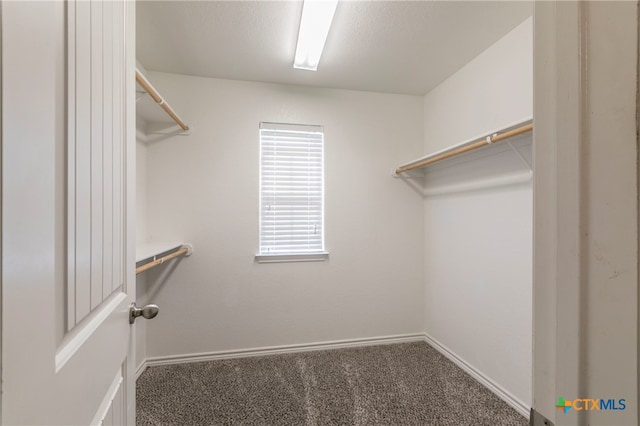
(465, 147)
(155, 254)
(158, 100)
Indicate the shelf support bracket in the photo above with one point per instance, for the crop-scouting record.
(524, 160)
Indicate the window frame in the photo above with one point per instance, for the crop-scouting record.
(311, 256)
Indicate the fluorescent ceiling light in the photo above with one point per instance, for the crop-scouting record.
(314, 27)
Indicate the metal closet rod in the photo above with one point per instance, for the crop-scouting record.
(474, 145)
(183, 250)
(141, 79)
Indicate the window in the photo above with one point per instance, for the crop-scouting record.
(291, 193)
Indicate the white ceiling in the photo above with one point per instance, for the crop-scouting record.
(397, 47)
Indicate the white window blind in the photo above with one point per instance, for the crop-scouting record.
(291, 189)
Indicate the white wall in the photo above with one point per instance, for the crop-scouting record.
(489, 93)
(478, 243)
(203, 189)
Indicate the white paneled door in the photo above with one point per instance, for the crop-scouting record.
(68, 209)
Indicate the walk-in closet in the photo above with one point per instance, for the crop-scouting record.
(433, 248)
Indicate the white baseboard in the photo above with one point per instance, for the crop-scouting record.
(502, 393)
(143, 366)
(275, 350)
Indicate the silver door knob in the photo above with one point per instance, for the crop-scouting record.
(147, 311)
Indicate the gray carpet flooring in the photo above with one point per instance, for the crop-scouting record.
(402, 384)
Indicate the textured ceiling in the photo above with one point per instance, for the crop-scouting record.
(397, 47)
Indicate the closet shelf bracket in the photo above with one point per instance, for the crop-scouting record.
(520, 156)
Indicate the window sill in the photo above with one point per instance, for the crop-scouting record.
(281, 258)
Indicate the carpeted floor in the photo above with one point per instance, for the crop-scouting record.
(403, 384)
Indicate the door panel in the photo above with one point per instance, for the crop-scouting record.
(110, 412)
(95, 167)
(96, 144)
(79, 154)
(68, 240)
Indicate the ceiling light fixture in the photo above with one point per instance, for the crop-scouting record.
(314, 27)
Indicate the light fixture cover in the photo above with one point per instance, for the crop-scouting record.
(314, 28)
